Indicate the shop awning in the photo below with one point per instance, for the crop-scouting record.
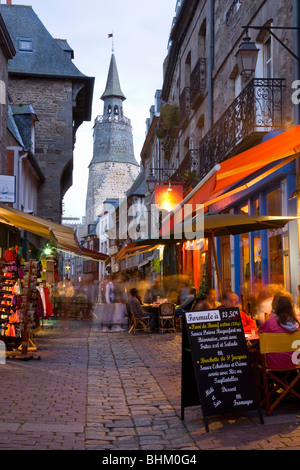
(133, 249)
(60, 235)
(283, 146)
(283, 149)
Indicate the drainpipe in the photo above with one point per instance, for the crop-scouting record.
(211, 61)
(20, 182)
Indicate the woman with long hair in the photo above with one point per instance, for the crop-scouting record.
(282, 320)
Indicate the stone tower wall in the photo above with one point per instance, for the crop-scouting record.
(107, 180)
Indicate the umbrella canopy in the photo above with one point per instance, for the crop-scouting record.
(217, 225)
(232, 224)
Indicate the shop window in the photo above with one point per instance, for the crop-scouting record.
(225, 263)
(245, 261)
(273, 207)
(273, 202)
(256, 207)
(275, 257)
(257, 258)
(244, 210)
(286, 263)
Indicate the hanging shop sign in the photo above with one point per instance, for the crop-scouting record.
(168, 197)
(7, 188)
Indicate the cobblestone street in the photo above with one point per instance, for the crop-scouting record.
(114, 391)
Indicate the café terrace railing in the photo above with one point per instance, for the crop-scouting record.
(257, 110)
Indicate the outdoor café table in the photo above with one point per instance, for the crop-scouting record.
(153, 308)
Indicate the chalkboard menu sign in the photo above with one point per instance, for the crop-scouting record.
(222, 371)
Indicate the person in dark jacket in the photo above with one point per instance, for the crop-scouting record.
(137, 310)
(187, 303)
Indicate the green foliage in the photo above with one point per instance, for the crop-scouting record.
(190, 175)
(169, 117)
(206, 284)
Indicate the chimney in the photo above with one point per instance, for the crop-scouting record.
(8, 2)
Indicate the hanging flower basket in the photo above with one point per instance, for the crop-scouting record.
(169, 117)
(159, 132)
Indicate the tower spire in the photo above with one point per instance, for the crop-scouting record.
(113, 87)
(111, 35)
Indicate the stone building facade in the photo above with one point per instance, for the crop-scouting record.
(7, 52)
(221, 114)
(202, 77)
(43, 74)
(113, 168)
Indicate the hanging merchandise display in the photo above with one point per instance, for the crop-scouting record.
(44, 292)
(28, 315)
(11, 285)
(21, 306)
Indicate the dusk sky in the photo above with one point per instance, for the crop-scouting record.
(141, 29)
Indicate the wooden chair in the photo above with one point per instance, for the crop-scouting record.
(166, 316)
(178, 323)
(281, 381)
(137, 324)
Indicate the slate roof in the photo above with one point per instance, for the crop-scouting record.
(139, 186)
(113, 87)
(65, 46)
(23, 109)
(47, 57)
(13, 128)
(6, 43)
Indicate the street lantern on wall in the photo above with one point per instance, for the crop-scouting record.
(151, 183)
(246, 57)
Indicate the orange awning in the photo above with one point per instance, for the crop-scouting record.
(132, 249)
(241, 166)
(285, 147)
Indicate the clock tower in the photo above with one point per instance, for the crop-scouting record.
(113, 168)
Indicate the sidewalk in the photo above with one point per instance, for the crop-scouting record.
(107, 391)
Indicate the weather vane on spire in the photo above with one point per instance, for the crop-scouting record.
(111, 35)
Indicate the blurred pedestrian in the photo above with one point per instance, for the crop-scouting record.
(70, 291)
(187, 303)
(119, 301)
(155, 293)
(109, 305)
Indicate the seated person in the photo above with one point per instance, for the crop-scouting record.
(230, 300)
(209, 303)
(282, 320)
(137, 310)
(187, 303)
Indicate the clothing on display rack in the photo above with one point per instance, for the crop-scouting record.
(46, 301)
